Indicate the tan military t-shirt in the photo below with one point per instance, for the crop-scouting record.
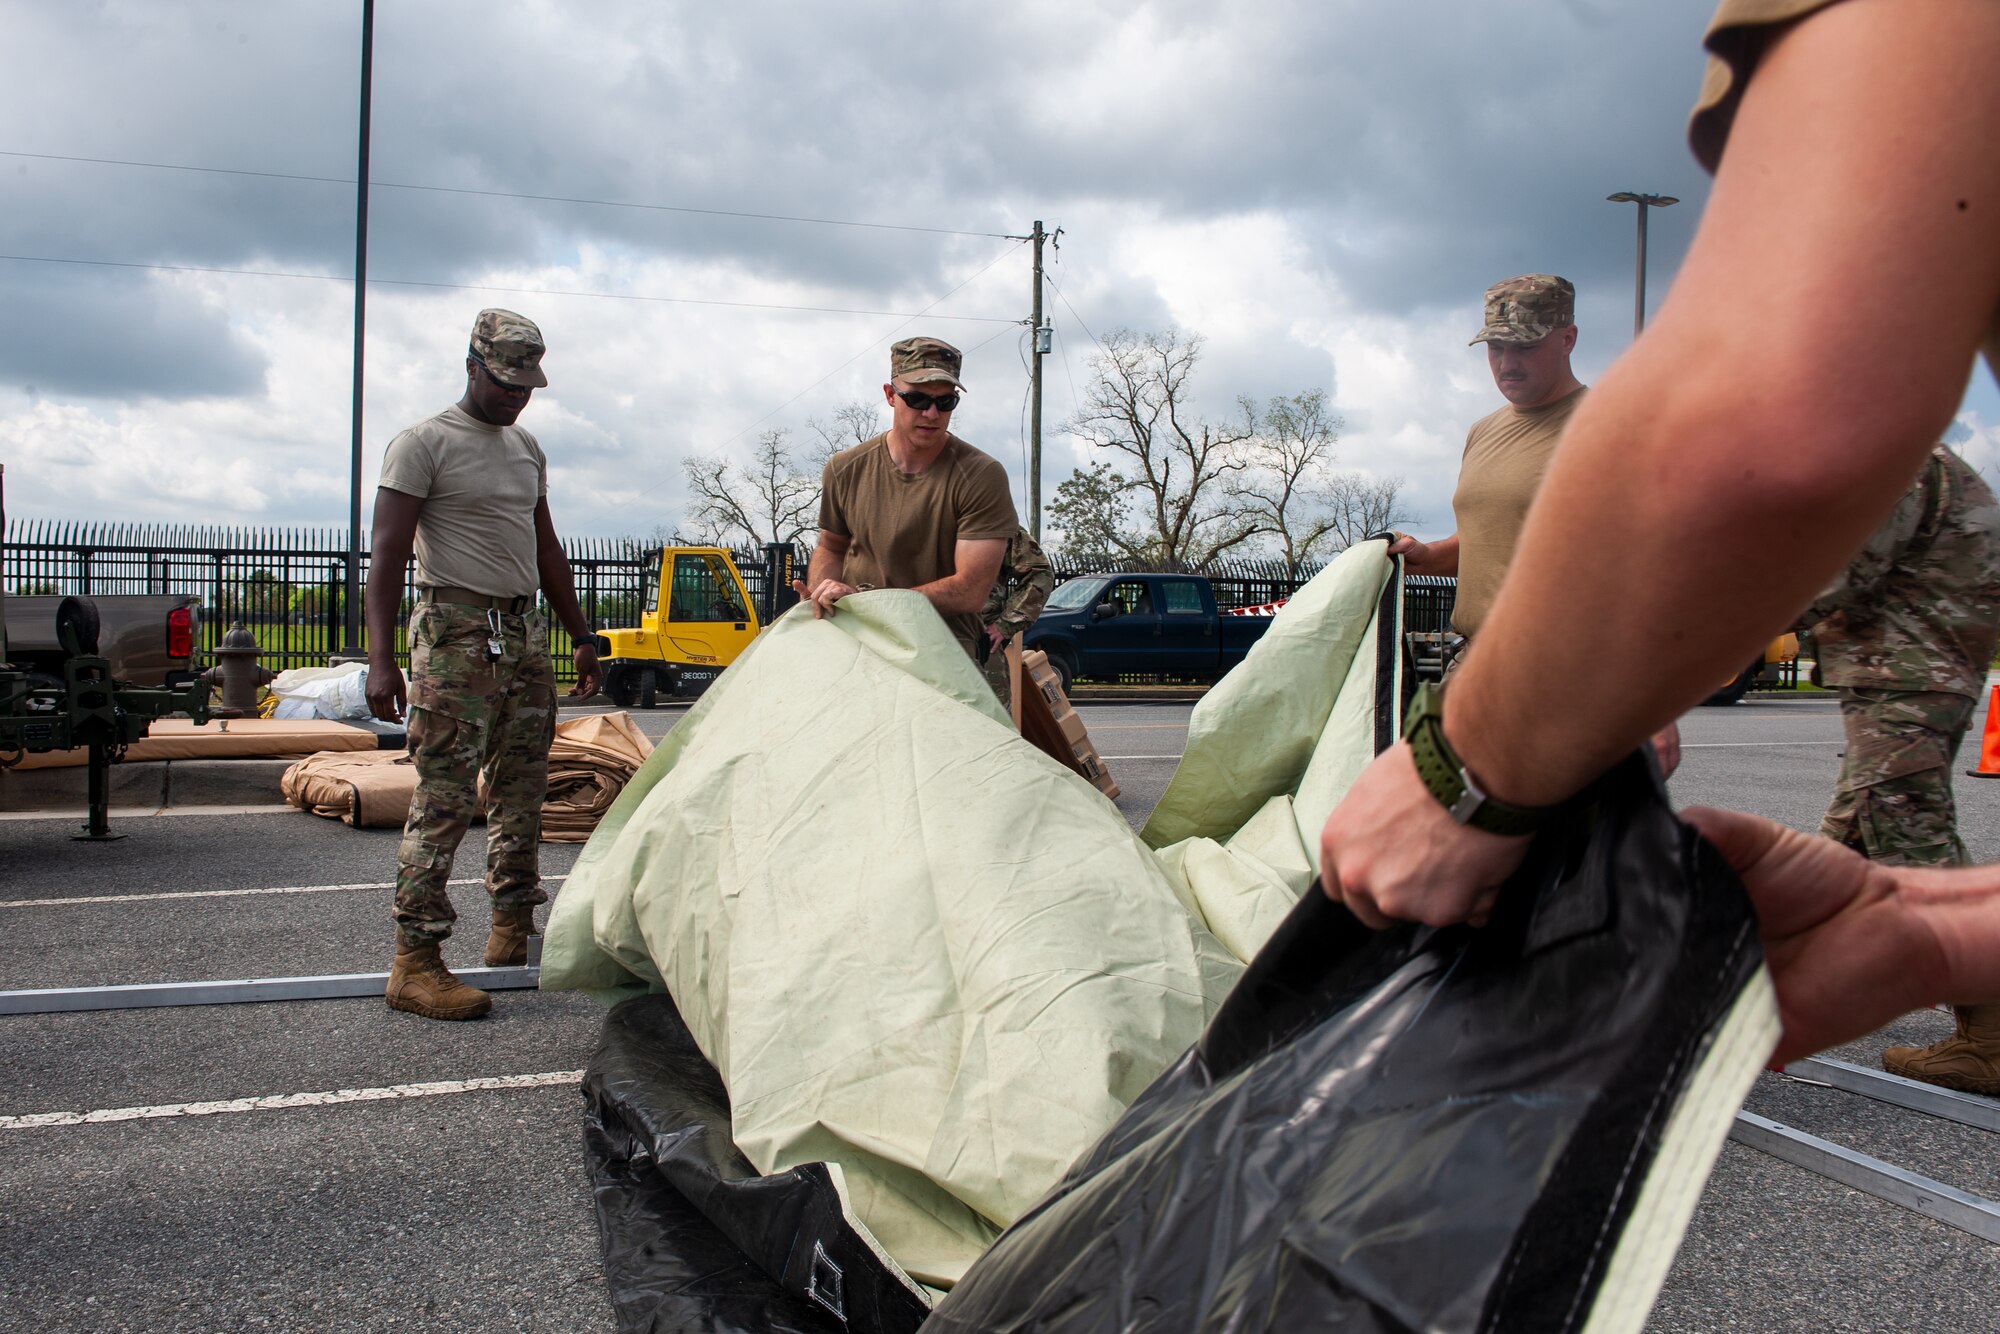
(479, 484)
(1736, 38)
(1506, 453)
(902, 529)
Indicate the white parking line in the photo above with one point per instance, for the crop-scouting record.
(1108, 758)
(225, 893)
(277, 1101)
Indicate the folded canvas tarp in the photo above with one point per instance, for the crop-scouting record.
(914, 948)
(590, 761)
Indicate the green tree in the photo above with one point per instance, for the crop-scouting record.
(1092, 509)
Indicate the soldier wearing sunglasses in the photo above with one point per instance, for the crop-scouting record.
(916, 507)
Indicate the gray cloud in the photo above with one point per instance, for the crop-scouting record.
(1414, 153)
(92, 333)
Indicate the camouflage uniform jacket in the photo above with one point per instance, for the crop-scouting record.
(1025, 582)
(1919, 607)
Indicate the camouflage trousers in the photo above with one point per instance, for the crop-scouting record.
(994, 668)
(471, 719)
(1893, 802)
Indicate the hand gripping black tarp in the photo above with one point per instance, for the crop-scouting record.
(1414, 1129)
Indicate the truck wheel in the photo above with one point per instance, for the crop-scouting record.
(1739, 687)
(649, 684)
(1065, 672)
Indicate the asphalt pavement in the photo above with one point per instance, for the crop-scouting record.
(439, 1185)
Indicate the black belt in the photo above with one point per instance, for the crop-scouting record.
(484, 601)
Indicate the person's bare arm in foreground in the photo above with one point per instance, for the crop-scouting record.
(1814, 346)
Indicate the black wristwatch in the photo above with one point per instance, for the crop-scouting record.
(1445, 776)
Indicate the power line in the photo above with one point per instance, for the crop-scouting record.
(507, 194)
(1079, 319)
(514, 291)
(873, 344)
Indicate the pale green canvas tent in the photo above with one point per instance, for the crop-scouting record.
(917, 949)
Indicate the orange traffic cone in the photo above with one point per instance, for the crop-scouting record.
(1989, 744)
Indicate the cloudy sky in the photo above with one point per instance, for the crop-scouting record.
(1321, 190)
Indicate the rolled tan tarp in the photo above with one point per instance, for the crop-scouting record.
(370, 790)
(245, 738)
(593, 757)
(591, 760)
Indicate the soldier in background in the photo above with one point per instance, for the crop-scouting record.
(1906, 636)
(467, 491)
(1024, 585)
(915, 507)
(1530, 333)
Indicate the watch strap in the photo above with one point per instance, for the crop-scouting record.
(1445, 777)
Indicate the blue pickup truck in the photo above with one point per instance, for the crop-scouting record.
(1104, 626)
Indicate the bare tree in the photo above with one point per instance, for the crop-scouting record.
(1138, 405)
(852, 424)
(1294, 493)
(1288, 455)
(773, 499)
(1360, 506)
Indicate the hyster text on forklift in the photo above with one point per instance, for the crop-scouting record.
(698, 616)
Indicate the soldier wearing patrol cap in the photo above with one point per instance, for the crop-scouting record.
(1529, 332)
(467, 491)
(916, 507)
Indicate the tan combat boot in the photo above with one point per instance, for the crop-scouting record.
(421, 984)
(1968, 1060)
(507, 945)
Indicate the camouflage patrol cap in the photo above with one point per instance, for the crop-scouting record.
(925, 360)
(510, 346)
(1527, 309)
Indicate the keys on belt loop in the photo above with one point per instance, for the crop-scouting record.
(495, 645)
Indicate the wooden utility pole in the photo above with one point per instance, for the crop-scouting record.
(1035, 394)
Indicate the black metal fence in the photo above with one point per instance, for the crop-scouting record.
(289, 585)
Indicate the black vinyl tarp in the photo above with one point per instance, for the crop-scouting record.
(1414, 1129)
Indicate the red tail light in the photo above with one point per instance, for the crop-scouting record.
(180, 633)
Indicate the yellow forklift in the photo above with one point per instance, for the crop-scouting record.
(697, 617)
(1778, 669)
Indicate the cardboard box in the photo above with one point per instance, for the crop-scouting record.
(1035, 665)
(1091, 766)
(1047, 720)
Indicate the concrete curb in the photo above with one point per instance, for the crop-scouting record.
(152, 784)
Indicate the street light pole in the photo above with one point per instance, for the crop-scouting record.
(1644, 201)
(353, 626)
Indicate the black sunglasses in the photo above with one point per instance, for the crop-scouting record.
(922, 402)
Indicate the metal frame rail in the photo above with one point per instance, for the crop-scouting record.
(1885, 1181)
(243, 991)
(66, 1000)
